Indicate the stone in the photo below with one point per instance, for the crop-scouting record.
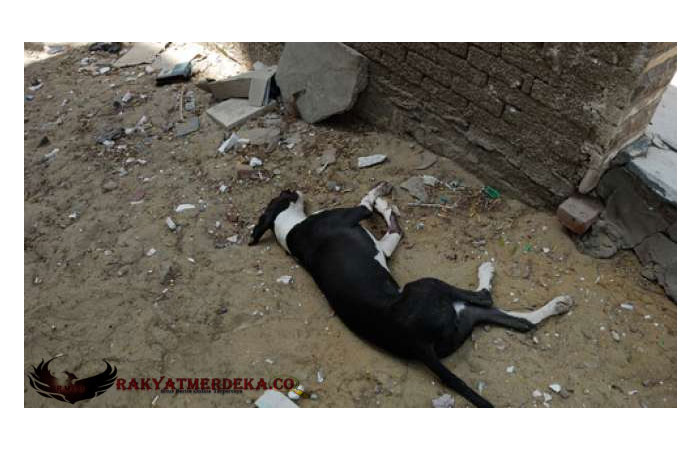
(444, 401)
(140, 53)
(189, 126)
(236, 111)
(657, 169)
(578, 212)
(321, 79)
(184, 207)
(663, 123)
(427, 159)
(672, 232)
(109, 186)
(372, 160)
(628, 207)
(416, 187)
(261, 136)
(274, 399)
(327, 158)
(659, 253)
(555, 387)
(285, 279)
(170, 223)
(602, 241)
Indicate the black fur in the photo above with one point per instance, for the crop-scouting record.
(416, 323)
(267, 220)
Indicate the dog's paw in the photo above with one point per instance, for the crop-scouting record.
(562, 304)
(383, 188)
(486, 269)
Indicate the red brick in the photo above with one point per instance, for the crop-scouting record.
(577, 213)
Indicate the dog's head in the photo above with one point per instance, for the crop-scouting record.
(286, 199)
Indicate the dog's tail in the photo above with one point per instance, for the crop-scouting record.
(453, 381)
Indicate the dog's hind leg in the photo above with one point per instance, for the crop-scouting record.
(556, 306)
(390, 240)
(520, 321)
(382, 188)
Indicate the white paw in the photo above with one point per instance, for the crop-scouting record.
(486, 269)
(562, 304)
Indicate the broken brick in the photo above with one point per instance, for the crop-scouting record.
(577, 213)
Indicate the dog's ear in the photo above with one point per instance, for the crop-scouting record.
(265, 222)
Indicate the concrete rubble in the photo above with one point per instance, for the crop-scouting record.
(369, 161)
(236, 111)
(321, 79)
(274, 399)
(640, 200)
(140, 53)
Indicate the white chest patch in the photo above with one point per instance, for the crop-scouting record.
(285, 221)
(379, 257)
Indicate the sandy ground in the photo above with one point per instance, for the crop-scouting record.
(201, 308)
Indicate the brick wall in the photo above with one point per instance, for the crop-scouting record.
(530, 118)
(537, 120)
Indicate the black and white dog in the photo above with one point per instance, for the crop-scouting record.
(426, 320)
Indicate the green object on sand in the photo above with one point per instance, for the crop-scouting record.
(491, 192)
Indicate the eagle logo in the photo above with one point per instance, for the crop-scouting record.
(46, 385)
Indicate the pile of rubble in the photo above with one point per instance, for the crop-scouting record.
(635, 203)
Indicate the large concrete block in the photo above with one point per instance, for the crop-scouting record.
(321, 79)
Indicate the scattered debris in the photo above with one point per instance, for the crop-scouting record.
(297, 393)
(50, 156)
(255, 162)
(627, 306)
(492, 193)
(480, 386)
(109, 185)
(229, 143)
(372, 160)
(327, 158)
(555, 387)
(190, 126)
(321, 79)
(261, 136)
(54, 49)
(110, 136)
(140, 53)
(36, 85)
(427, 159)
(547, 397)
(430, 180)
(416, 187)
(184, 207)
(126, 98)
(235, 111)
(615, 335)
(536, 393)
(510, 369)
(179, 72)
(242, 86)
(285, 279)
(190, 101)
(110, 47)
(151, 252)
(444, 401)
(170, 223)
(320, 376)
(274, 399)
